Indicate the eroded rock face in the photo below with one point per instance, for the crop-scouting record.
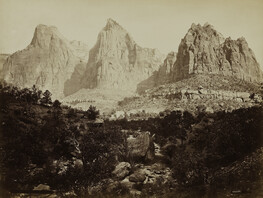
(117, 62)
(162, 76)
(3, 58)
(165, 73)
(204, 50)
(48, 62)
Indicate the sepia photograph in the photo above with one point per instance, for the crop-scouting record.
(131, 99)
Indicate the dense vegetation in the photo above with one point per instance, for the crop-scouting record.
(43, 142)
(196, 146)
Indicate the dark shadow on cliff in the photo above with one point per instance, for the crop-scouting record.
(72, 85)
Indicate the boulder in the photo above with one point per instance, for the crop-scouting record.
(141, 147)
(42, 187)
(209, 110)
(138, 176)
(122, 170)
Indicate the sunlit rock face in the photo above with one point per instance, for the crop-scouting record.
(3, 58)
(47, 62)
(117, 62)
(165, 73)
(204, 50)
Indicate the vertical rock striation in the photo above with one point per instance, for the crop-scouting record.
(204, 50)
(117, 62)
(48, 62)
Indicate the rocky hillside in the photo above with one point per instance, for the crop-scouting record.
(215, 92)
(117, 62)
(48, 62)
(204, 50)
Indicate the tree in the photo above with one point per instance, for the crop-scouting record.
(56, 108)
(71, 113)
(36, 94)
(46, 98)
(56, 104)
(92, 113)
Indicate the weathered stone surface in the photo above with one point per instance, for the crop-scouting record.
(191, 94)
(42, 187)
(122, 170)
(3, 58)
(165, 73)
(48, 61)
(141, 147)
(137, 176)
(204, 50)
(117, 62)
(162, 76)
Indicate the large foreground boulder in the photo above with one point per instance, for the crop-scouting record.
(141, 147)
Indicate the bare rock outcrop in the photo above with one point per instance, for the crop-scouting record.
(141, 147)
(117, 62)
(165, 73)
(47, 62)
(204, 50)
(3, 58)
(162, 76)
(190, 94)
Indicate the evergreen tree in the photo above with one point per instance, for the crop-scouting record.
(92, 113)
(46, 98)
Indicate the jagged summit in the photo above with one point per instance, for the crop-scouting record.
(206, 25)
(44, 34)
(112, 24)
(48, 62)
(117, 62)
(204, 50)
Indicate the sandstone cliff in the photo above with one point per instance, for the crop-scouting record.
(117, 62)
(3, 58)
(165, 72)
(204, 50)
(48, 62)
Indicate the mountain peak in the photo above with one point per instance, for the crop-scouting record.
(204, 50)
(112, 24)
(199, 27)
(43, 35)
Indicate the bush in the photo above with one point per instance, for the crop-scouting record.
(92, 113)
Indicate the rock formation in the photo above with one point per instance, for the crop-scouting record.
(48, 62)
(122, 170)
(3, 58)
(204, 50)
(165, 72)
(117, 62)
(141, 147)
(162, 76)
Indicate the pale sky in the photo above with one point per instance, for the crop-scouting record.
(152, 23)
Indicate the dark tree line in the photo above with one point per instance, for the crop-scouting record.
(56, 146)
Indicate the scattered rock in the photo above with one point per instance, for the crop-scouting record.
(42, 187)
(122, 170)
(138, 176)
